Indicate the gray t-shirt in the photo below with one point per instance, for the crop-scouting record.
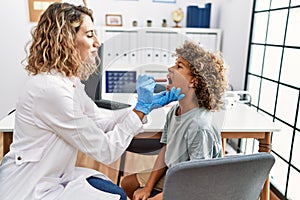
(190, 136)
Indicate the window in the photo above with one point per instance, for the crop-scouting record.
(272, 80)
(272, 62)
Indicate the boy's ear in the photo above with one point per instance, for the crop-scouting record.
(193, 83)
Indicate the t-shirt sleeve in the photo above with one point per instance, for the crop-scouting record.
(201, 145)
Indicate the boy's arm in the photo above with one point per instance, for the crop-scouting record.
(158, 171)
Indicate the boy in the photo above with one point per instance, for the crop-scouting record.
(189, 133)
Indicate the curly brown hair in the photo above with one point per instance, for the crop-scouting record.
(53, 42)
(209, 71)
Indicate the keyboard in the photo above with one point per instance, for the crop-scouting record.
(111, 105)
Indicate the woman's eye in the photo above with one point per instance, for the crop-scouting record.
(90, 34)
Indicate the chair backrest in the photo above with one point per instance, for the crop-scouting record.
(238, 177)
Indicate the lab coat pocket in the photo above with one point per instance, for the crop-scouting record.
(48, 188)
(33, 155)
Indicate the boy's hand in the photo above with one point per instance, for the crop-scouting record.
(141, 194)
(145, 89)
(163, 98)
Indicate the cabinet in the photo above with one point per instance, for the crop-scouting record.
(151, 45)
(148, 50)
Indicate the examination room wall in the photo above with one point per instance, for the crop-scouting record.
(231, 16)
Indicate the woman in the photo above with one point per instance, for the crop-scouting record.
(55, 118)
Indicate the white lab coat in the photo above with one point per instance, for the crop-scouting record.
(55, 118)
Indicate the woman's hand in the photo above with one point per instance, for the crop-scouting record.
(163, 98)
(145, 89)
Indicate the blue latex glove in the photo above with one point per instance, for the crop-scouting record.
(163, 98)
(145, 89)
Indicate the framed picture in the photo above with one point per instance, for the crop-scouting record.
(113, 20)
(165, 1)
(37, 7)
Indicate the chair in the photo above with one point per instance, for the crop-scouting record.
(238, 177)
(144, 146)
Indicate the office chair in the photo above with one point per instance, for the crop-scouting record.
(144, 146)
(239, 177)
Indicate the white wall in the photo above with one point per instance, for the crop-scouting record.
(234, 21)
(15, 32)
(232, 16)
(141, 10)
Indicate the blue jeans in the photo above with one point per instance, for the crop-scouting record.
(106, 186)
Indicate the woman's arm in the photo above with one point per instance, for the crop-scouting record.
(139, 114)
(59, 109)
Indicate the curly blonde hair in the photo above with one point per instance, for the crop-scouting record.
(53, 42)
(208, 69)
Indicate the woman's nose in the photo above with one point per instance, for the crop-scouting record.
(97, 42)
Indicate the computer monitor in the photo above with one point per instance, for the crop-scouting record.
(113, 81)
(120, 81)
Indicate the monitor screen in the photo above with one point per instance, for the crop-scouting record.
(120, 81)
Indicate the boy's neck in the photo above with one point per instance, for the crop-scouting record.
(186, 104)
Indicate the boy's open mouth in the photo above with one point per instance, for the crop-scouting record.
(169, 85)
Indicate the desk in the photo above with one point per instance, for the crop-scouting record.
(244, 122)
(241, 121)
(7, 127)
